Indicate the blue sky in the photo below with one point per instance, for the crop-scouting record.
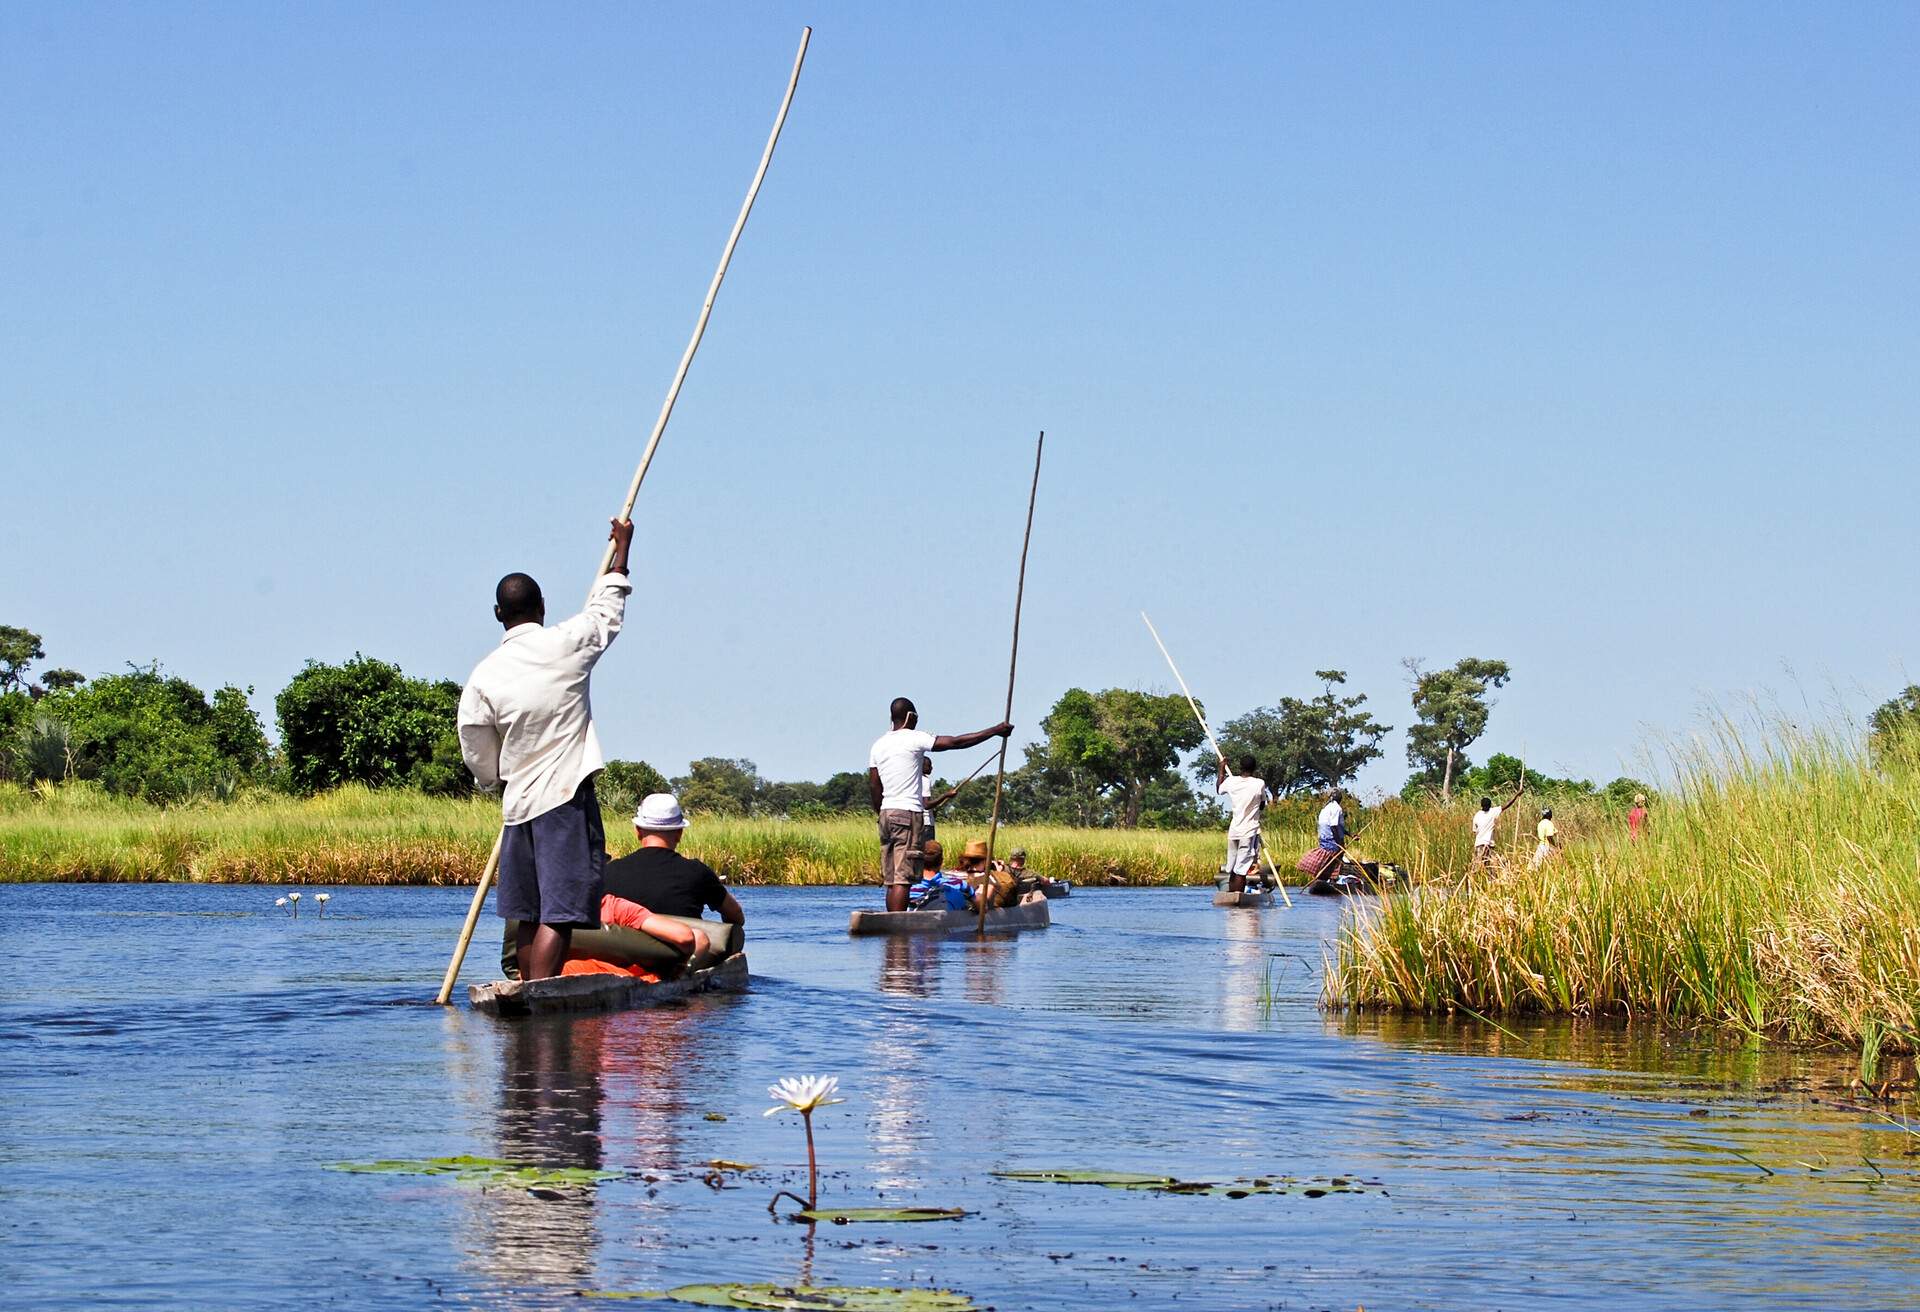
(1579, 337)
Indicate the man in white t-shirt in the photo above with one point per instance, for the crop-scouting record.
(1246, 795)
(894, 772)
(1486, 821)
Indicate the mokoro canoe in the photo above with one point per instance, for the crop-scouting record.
(1030, 913)
(1246, 897)
(1355, 878)
(1053, 888)
(565, 993)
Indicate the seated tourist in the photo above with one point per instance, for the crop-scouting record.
(988, 878)
(938, 890)
(659, 878)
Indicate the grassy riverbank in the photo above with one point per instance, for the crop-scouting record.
(1777, 893)
(359, 836)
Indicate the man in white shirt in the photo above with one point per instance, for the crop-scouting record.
(1246, 795)
(894, 771)
(526, 727)
(1486, 822)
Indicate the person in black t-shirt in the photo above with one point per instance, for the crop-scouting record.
(659, 878)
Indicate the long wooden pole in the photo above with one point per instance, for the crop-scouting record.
(640, 474)
(1013, 663)
(1214, 743)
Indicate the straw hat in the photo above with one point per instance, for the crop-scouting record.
(1639, 799)
(975, 850)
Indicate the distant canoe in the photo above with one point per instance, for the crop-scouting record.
(1356, 878)
(577, 993)
(1053, 888)
(1246, 897)
(1031, 913)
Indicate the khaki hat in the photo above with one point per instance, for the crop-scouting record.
(975, 850)
(1639, 799)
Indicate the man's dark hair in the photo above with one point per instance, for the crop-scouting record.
(1248, 765)
(902, 707)
(1486, 804)
(518, 598)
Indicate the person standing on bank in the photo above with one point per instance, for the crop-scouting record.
(895, 768)
(526, 729)
(1246, 795)
(659, 878)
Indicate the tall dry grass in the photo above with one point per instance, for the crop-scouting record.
(1777, 892)
(75, 832)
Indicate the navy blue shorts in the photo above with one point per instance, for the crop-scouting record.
(551, 866)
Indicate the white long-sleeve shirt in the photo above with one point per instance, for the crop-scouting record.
(525, 719)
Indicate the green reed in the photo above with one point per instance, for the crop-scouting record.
(1776, 892)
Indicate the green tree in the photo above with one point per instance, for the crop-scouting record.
(623, 784)
(19, 648)
(1894, 720)
(363, 721)
(1451, 708)
(845, 790)
(148, 735)
(61, 679)
(1117, 743)
(716, 785)
(1303, 746)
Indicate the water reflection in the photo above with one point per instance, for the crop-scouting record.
(1244, 961)
(909, 965)
(548, 1114)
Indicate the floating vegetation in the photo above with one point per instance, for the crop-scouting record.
(486, 1172)
(853, 1215)
(846, 1298)
(1246, 1187)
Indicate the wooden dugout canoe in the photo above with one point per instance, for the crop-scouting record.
(585, 993)
(1030, 913)
(582, 993)
(1246, 897)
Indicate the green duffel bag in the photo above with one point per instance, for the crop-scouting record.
(624, 947)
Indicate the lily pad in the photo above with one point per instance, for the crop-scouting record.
(848, 1215)
(487, 1172)
(1166, 1184)
(1112, 1179)
(845, 1298)
(722, 1164)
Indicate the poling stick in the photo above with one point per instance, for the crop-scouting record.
(1013, 663)
(492, 867)
(1214, 743)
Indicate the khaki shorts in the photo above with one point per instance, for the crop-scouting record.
(901, 858)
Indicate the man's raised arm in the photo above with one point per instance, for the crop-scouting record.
(961, 741)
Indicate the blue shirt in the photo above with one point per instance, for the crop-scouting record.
(951, 887)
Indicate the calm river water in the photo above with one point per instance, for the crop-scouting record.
(179, 1065)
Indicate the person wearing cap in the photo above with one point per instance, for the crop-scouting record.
(895, 769)
(657, 877)
(1637, 818)
(1548, 836)
(526, 729)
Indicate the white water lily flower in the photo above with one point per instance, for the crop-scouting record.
(322, 897)
(804, 1094)
(293, 897)
(279, 901)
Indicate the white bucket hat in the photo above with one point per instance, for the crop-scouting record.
(660, 811)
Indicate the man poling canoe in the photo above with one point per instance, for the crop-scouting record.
(526, 729)
(895, 768)
(1246, 794)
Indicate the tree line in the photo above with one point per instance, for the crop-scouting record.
(1117, 757)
